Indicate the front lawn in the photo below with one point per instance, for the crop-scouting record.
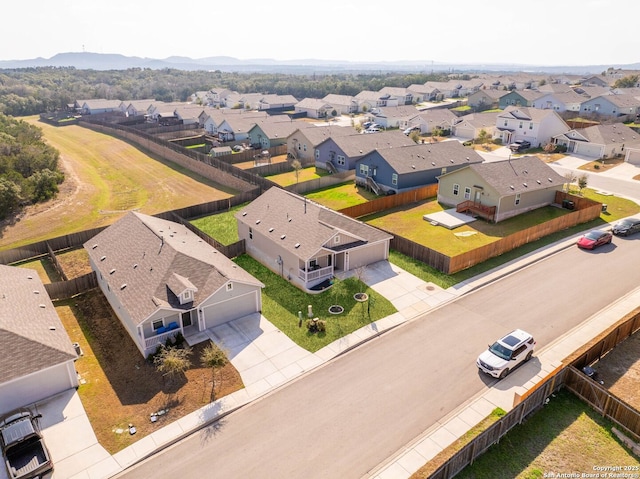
(281, 302)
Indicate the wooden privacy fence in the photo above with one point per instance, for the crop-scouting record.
(322, 182)
(66, 289)
(603, 401)
(391, 201)
(492, 435)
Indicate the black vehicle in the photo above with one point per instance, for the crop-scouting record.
(519, 145)
(626, 227)
(25, 454)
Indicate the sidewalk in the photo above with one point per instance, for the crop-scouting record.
(266, 359)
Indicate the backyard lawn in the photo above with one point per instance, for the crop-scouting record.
(222, 226)
(341, 196)
(304, 174)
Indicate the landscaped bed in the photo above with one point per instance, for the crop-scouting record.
(119, 387)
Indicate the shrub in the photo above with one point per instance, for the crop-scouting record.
(316, 326)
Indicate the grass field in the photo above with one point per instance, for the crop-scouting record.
(304, 174)
(104, 178)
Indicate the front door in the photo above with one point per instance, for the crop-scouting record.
(476, 197)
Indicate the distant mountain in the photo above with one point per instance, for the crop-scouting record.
(111, 61)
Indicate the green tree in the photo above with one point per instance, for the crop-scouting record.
(9, 197)
(43, 185)
(214, 358)
(582, 182)
(172, 361)
(629, 81)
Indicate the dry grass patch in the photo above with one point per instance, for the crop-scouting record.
(74, 262)
(599, 166)
(104, 178)
(118, 386)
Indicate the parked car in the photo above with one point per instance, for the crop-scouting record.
(595, 238)
(506, 353)
(372, 130)
(23, 448)
(519, 145)
(408, 131)
(367, 124)
(626, 227)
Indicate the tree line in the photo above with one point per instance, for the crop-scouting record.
(30, 91)
(28, 166)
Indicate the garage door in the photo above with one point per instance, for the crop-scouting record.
(633, 157)
(235, 308)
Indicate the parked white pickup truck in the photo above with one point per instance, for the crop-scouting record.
(23, 448)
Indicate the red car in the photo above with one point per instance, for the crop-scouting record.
(595, 238)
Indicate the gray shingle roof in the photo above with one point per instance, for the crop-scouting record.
(302, 222)
(518, 175)
(31, 333)
(146, 253)
(429, 156)
(355, 146)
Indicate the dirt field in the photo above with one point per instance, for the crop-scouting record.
(104, 178)
(620, 370)
(119, 387)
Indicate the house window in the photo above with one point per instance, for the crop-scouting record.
(229, 286)
(157, 324)
(394, 179)
(250, 233)
(467, 193)
(187, 295)
(517, 199)
(317, 154)
(304, 147)
(531, 126)
(443, 170)
(520, 126)
(299, 146)
(506, 122)
(456, 190)
(364, 170)
(336, 239)
(341, 160)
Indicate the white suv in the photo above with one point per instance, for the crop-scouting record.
(506, 353)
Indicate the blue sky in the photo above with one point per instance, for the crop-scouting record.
(540, 32)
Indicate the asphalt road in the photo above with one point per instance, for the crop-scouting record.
(346, 417)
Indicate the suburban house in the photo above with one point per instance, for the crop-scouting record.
(165, 113)
(433, 119)
(302, 143)
(162, 279)
(307, 243)
(531, 124)
(446, 89)
(519, 98)
(423, 92)
(499, 190)
(394, 116)
(599, 141)
(485, 99)
(595, 80)
(189, 114)
(276, 102)
(37, 357)
(624, 107)
(236, 127)
(564, 101)
(469, 126)
(211, 118)
(243, 101)
(136, 107)
(274, 132)
(393, 170)
(314, 108)
(401, 96)
(368, 100)
(339, 153)
(343, 104)
(95, 107)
